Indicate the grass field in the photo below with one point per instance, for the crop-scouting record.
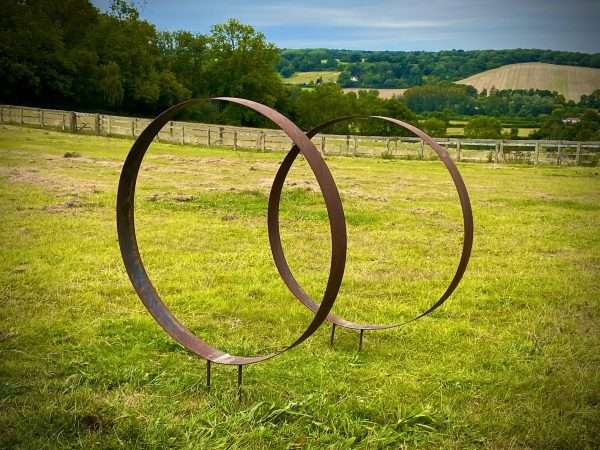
(510, 362)
(383, 93)
(460, 131)
(307, 77)
(570, 81)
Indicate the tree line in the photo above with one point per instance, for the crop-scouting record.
(70, 55)
(402, 69)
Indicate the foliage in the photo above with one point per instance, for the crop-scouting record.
(454, 98)
(591, 101)
(400, 69)
(458, 99)
(434, 127)
(68, 54)
(484, 128)
(71, 56)
(559, 126)
(518, 103)
(327, 101)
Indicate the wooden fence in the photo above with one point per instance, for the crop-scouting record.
(191, 133)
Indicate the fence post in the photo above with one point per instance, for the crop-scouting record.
(578, 154)
(355, 146)
(235, 140)
(171, 129)
(264, 141)
(221, 135)
(537, 152)
(97, 124)
(501, 150)
(558, 157)
(73, 122)
(347, 144)
(133, 128)
(21, 120)
(458, 151)
(421, 149)
(496, 152)
(323, 145)
(183, 134)
(208, 137)
(41, 117)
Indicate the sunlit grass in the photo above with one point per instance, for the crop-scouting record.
(511, 360)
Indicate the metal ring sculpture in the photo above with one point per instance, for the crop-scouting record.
(302, 144)
(275, 237)
(135, 267)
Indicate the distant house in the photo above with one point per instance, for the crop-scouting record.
(571, 120)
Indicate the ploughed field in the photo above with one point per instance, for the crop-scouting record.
(510, 361)
(570, 81)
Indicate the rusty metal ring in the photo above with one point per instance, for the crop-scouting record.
(275, 237)
(133, 261)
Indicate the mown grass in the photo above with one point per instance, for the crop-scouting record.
(327, 76)
(511, 361)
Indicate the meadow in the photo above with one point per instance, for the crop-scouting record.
(327, 76)
(510, 362)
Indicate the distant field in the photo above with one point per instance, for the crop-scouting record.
(459, 131)
(307, 77)
(570, 81)
(383, 93)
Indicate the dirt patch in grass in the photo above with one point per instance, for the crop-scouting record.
(56, 185)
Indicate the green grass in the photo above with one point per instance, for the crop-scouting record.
(460, 131)
(306, 77)
(511, 361)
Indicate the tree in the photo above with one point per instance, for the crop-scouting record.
(241, 63)
(434, 127)
(483, 128)
(587, 127)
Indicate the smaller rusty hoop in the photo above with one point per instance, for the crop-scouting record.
(284, 268)
(135, 267)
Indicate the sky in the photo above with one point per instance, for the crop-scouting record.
(393, 25)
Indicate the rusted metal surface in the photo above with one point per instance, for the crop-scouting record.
(302, 145)
(135, 267)
(277, 249)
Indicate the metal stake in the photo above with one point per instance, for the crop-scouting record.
(332, 334)
(208, 374)
(360, 341)
(239, 381)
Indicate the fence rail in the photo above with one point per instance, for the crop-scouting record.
(191, 133)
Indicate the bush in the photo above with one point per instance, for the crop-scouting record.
(434, 127)
(484, 128)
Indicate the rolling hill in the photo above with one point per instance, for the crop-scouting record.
(570, 81)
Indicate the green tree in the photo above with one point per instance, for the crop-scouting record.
(241, 63)
(483, 128)
(434, 127)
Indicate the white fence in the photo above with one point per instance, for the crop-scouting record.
(191, 133)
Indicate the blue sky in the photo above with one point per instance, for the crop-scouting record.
(394, 25)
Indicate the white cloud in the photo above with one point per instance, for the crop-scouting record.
(350, 17)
